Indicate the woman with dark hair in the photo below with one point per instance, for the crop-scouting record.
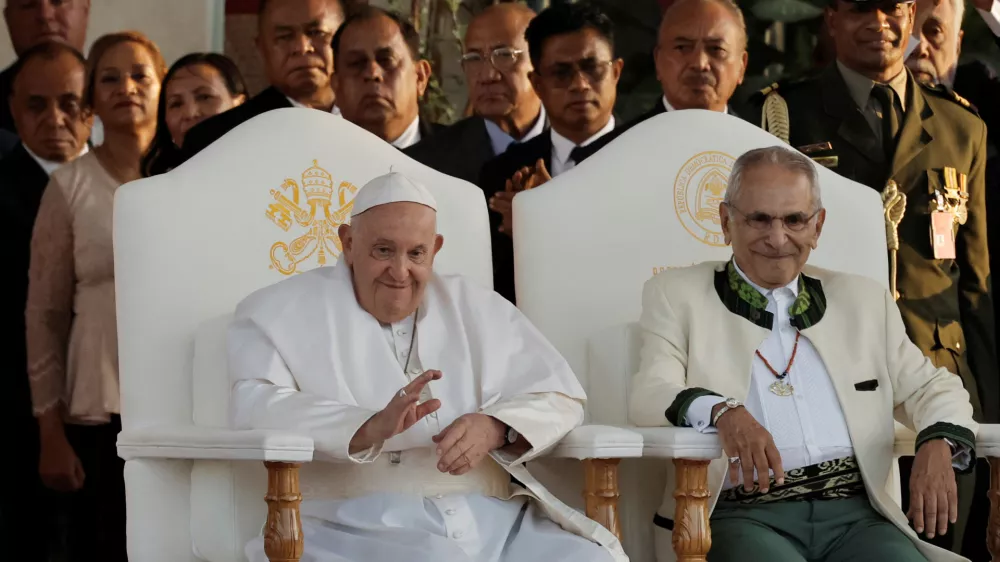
(196, 87)
(71, 330)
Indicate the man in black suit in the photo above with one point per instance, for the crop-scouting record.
(701, 58)
(576, 76)
(30, 23)
(380, 76)
(294, 41)
(45, 102)
(507, 110)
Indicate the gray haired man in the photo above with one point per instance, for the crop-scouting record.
(799, 370)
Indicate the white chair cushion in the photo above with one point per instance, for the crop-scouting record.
(210, 379)
(612, 359)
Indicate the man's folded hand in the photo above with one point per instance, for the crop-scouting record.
(933, 492)
(743, 437)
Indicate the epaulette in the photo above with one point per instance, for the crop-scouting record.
(785, 84)
(947, 93)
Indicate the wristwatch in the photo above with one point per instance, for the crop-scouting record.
(731, 403)
(510, 437)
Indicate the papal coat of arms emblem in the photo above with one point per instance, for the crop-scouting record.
(698, 190)
(319, 214)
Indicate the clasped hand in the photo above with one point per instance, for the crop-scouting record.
(524, 179)
(460, 447)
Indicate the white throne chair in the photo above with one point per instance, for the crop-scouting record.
(586, 242)
(260, 204)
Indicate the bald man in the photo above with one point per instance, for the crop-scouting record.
(294, 40)
(33, 23)
(506, 108)
(701, 57)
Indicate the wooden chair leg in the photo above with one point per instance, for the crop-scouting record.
(993, 531)
(283, 541)
(601, 492)
(692, 537)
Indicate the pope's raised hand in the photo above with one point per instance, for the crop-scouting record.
(400, 414)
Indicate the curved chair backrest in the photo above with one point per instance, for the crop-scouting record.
(262, 203)
(587, 241)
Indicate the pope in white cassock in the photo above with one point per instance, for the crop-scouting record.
(424, 394)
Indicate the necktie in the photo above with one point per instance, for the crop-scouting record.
(578, 154)
(890, 120)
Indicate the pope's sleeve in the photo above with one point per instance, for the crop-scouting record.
(659, 395)
(927, 399)
(526, 383)
(265, 396)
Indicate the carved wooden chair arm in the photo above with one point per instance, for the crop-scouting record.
(282, 453)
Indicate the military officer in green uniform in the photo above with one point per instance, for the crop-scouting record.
(866, 118)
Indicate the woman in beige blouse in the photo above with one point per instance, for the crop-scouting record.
(70, 315)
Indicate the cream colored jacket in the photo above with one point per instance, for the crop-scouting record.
(692, 340)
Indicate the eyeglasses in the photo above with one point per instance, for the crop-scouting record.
(503, 59)
(563, 73)
(794, 222)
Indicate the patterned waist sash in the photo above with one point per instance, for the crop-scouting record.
(836, 479)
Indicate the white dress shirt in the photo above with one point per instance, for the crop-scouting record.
(410, 136)
(334, 110)
(809, 426)
(562, 146)
(48, 165)
(992, 17)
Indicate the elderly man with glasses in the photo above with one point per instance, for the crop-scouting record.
(505, 108)
(576, 76)
(801, 372)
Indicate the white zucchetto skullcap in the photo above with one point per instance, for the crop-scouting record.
(393, 187)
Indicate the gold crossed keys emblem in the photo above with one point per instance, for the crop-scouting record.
(319, 214)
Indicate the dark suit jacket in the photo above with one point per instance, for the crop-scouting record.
(978, 83)
(946, 304)
(213, 128)
(492, 179)
(22, 182)
(8, 142)
(600, 143)
(6, 85)
(459, 150)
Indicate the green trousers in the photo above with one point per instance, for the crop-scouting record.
(845, 530)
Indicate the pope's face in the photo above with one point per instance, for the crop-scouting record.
(391, 249)
(771, 251)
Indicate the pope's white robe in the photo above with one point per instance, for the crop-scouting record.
(305, 356)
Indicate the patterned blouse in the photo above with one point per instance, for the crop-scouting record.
(70, 315)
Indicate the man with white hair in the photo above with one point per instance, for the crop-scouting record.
(800, 371)
(417, 436)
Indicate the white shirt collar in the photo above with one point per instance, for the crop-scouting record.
(48, 165)
(334, 110)
(540, 123)
(562, 146)
(501, 141)
(410, 136)
(668, 107)
(792, 285)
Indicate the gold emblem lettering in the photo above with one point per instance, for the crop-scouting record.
(319, 214)
(698, 190)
